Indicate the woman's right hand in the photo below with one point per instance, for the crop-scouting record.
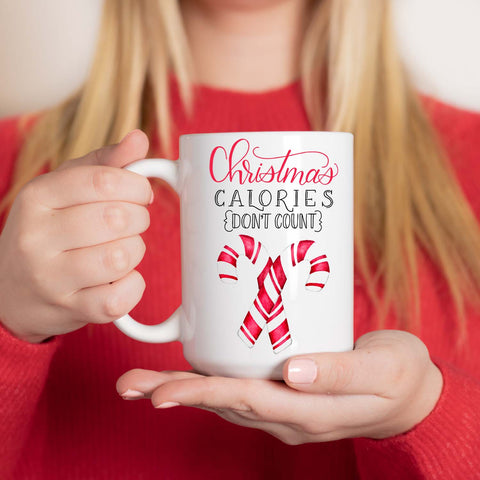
(72, 241)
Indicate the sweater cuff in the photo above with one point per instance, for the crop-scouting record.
(445, 444)
(23, 360)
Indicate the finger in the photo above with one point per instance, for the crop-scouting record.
(134, 146)
(187, 388)
(368, 369)
(100, 264)
(208, 392)
(87, 184)
(95, 223)
(269, 406)
(105, 303)
(256, 399)
(139, 383)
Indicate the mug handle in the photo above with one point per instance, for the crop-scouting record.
(169, 330)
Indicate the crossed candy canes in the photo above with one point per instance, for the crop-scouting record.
(267, 308)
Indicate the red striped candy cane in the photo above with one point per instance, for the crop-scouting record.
(250, 248)
(227, 271)
(267, 308)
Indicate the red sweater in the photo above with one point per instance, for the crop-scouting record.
(61, 418)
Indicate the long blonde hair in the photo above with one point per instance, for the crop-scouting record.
(352, 80)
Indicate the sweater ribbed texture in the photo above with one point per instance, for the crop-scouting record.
(61, 418)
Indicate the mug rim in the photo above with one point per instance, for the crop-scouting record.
(268, 132)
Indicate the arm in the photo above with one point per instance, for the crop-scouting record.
(387, 389)
(58, 268)
(23, 371)
(23, 366)
(447, 441)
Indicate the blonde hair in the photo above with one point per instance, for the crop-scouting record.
(352, 79)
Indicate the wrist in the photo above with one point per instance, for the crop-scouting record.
(418, 406)
(24, 336)
(429, 394)
(415, 408)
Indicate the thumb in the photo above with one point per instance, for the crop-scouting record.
(134, 146)
(360, 371)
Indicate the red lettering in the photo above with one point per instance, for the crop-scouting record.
(246, 165)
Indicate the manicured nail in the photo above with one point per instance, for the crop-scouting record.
(132, 395)
(151, 198)
(167, 405)
(302, 370)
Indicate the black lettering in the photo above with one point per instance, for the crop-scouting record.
(327, 194)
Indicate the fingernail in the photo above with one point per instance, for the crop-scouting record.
(132, 395)
(167, 405)
(151, 198)
(302, 370)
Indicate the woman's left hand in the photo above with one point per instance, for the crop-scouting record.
(384, 387)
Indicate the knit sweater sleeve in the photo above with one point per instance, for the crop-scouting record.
(23, 366)
(446, 444)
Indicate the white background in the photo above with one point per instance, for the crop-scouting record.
(46, 48)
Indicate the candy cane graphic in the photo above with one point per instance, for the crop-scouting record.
(250, 248)
(227, 271)
(267, 308)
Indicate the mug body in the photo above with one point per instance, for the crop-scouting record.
(267, 249)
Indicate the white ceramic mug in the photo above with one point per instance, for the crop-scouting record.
(267, 249)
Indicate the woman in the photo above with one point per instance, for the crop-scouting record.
(401, 405)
